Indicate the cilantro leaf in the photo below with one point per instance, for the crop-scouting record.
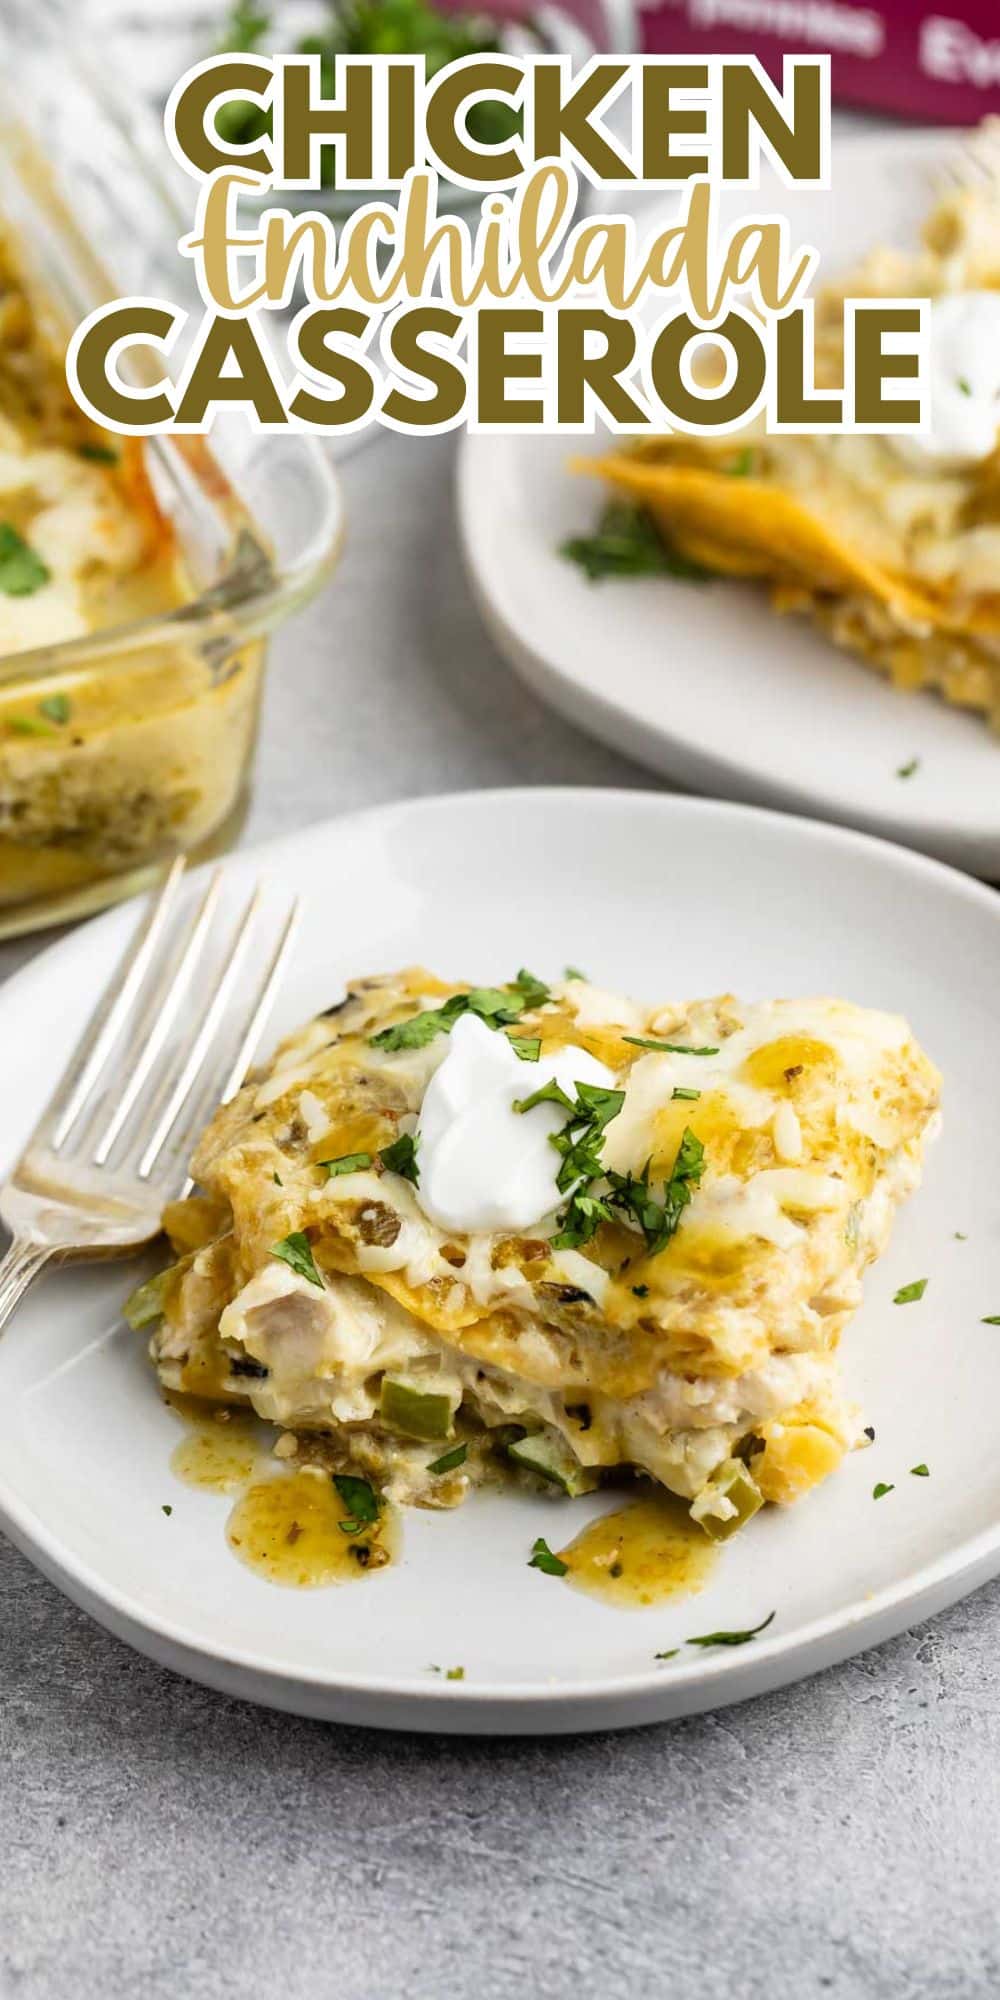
(450, 1460)
(731, 1638)
(528, 1047)
(548, 1093)
(497, 1006)
(920, 1471)
(907, 1294)
(580, 1220)
(992, 1319)
(742, 465)
(296, 1251)
(421, 1028)
(627, 543)
(669, 1048)
(908, 770)
(671, 1654)
(542, 1558)
(401, 1157)
(533, 991)
(98, 454)
(56, 708)
(360, 1499)
(22, 572)
(879, 1492)
(658, 1220)
(691, 1096)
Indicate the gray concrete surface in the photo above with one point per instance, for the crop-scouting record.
(840, 1838)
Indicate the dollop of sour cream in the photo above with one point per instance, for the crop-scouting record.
(483, 1165)
(964, 382)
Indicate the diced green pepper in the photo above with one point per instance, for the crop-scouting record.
(421, 1413)
(149, 1300)
(733, 1485)
(551, 1459)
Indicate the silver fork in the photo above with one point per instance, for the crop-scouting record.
(112, 1145)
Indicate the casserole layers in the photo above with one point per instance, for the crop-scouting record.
(690, 1336)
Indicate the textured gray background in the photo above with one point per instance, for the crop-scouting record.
(842, 1837)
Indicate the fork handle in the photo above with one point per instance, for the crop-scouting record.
(18, 1269)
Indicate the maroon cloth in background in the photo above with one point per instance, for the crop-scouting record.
(940, 64)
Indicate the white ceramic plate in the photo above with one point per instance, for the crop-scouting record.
(664, 896)
(703, 682)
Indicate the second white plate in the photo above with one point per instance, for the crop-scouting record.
(665, 897)
(703, 683)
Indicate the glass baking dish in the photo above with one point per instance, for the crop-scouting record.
(134, 740)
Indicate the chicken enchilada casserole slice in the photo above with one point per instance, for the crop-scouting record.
(454, 1233)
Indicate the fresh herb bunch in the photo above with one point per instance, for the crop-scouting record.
(370, 28)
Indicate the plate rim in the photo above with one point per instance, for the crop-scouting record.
(683, 759)
(389, 1699)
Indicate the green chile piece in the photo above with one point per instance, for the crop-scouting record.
(733, 1480)
(421, 1413)
(551, 1459)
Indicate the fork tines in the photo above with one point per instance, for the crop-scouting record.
(173, 1035)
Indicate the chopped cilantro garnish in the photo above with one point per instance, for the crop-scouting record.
(573, 972)
(528, 1047)
(450, 1460)
(347, 1163)
(627, 543)
(579, 1142)
(56, 708)
(278, 1182)
(964, 385)
(907, 1294)
(992, 1319)
(533, 990)
(547, 1093)
(580, 1220)
(690, 1095)
(421, 1028)
(879, 1492)
(920, 1471)
(742, 465)
(296, 1251)
(360, 1499)
(641, 1291)
(731, 1638)
(907, 770)
(669, 1048)
(543, 1558)
(99, 454)
(658, 1220)
(401, 1157)
(671, 1654)
(22, 572)
(960, 1236)
(455, 1674)
(497, 1006)
(165, 1509)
